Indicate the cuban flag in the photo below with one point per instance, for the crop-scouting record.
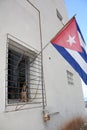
(70, 44)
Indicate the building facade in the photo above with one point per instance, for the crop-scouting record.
(53, 88)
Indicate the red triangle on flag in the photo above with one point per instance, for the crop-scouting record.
(68, 37)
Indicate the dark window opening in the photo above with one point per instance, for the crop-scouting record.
(17, 73)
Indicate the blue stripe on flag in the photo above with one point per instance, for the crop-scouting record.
(80, 32)
(83, 54)
(72, 62)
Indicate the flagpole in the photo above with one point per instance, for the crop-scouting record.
(64, 26)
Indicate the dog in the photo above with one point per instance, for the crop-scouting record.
(24, 96)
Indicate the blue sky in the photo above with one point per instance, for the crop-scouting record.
(79, 7)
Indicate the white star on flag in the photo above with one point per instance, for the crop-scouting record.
(71, 40)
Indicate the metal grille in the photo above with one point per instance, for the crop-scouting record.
(23, 66)
(70, 78)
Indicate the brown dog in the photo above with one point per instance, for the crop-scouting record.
(24, 96)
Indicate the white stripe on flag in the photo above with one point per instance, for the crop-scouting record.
(78, 59)
(81, 41)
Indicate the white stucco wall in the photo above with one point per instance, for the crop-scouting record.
(21, 20)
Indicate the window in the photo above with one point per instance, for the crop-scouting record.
(59, 15)
(70, 78)
(23, 67)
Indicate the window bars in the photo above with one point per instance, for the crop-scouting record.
(70, 78)
(23, 67)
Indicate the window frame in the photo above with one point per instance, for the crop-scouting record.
(38, 90)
